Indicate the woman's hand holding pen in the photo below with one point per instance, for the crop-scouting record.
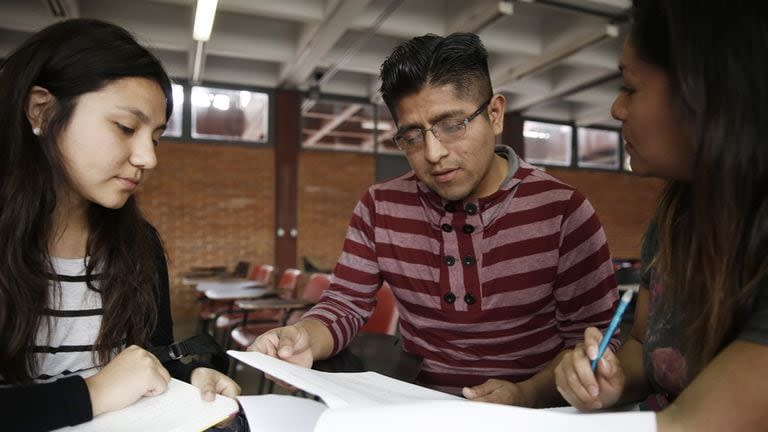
(584, 389)
(132, 374)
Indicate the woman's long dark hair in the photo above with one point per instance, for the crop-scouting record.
(68, 59)
(713, 230)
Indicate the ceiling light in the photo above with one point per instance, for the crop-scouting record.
(204, 14)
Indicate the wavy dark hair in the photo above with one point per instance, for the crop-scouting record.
(713, 229)
(69, 59)
(459, 59)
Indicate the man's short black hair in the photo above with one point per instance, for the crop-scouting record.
(459, 59)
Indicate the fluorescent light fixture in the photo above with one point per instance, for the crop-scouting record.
(204, 14)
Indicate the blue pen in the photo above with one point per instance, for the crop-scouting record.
(625, 300)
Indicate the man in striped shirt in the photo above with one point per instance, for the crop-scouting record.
(497, 267)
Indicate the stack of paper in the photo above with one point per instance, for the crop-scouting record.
(374, 403)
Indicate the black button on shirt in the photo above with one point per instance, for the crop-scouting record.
(449, 260)
(469, 299)
(449, 297)
(468, 260)
(447, 227)
(471, 209)
(469, 229)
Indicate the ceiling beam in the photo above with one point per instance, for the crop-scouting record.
(564, 46)
(331, 125)
(477, 15)
(317, 40)
(593, 116)
(566, 87)
(63, 8)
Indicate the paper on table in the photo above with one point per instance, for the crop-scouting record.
(179, 409)
(339, 389)
(457, 416)
(281, 413)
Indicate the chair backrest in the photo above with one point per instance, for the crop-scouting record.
(316, 284)
(241, 269)
(385, 316)
(262, 274)
(288, 282)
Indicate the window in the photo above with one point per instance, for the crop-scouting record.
(598, 148)
(547, 143)
(338, 125)
(224, 114)
(386, 129)
(173, 128)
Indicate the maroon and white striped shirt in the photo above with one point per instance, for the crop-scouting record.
(486, 288)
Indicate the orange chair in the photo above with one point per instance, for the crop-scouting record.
(244, 335)
(385, 316)
(262, 274)
(286, 287)
(213, 309)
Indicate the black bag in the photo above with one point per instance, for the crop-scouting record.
(202, 345)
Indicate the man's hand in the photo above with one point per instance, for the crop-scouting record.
(290, 343)
(498, 391)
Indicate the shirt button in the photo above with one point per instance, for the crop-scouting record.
(468, 260)
(449, 260)
(469, 229)
(447, 227)
(449, 297)
(450, 207)
(471, 209)
(469, 299)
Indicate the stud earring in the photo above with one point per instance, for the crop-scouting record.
(37, 131)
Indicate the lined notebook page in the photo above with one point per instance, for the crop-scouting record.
(179, 409)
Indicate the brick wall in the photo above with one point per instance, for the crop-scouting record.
(330, 184)
(213, 205)
(624, 202)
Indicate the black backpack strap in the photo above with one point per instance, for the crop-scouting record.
(202, 344)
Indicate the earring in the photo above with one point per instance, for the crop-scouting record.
(37, 131)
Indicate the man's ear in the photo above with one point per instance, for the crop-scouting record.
(496, 113)
(38, 101)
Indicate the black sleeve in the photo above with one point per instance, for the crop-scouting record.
(43, 407)
(163, 333)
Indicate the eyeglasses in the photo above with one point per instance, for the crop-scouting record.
(446, 131)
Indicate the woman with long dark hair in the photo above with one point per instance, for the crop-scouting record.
(694, 110)
(82, 274)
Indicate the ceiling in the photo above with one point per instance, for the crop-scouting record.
(553, 59)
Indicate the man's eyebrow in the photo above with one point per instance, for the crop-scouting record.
(432, 120)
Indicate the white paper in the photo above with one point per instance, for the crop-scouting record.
(179, 409)
(341, 389)
(281, 413)
(458, 416)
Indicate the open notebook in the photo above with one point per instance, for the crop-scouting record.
(179, 409)
(375, 403)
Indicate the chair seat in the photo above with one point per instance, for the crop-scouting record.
(229, 320)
